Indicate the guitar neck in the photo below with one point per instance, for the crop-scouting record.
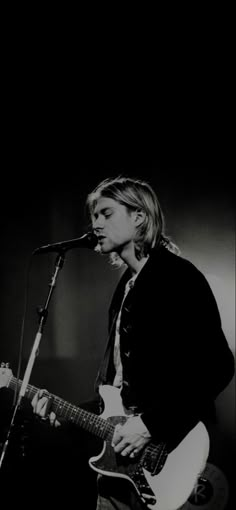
(76, 415)
(154, 455)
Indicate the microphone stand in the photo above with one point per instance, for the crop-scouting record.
(43, 313)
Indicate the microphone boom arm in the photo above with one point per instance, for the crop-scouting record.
(88, 240)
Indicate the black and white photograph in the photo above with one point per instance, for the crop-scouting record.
(117, 352)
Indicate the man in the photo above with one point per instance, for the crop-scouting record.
(166, 351)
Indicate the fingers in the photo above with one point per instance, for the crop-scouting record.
(36, 399)
(123, 444)
(53, 420)
(130, 450)
(39, 404)
(125, 448)
(118, 441)
(117, 436)
(131, 437)
(4, 365)
(134, 452)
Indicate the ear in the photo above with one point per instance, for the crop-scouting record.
(139, 216)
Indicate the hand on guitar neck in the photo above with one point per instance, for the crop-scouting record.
(41, 404)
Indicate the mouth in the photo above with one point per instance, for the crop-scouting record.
(101, 238)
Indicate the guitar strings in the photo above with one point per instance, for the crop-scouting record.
(95, 423)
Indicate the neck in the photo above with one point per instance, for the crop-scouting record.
(138, 265)
(132, 262)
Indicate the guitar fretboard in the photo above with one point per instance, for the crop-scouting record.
(85, 419)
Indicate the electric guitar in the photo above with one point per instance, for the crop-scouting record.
(163, 481)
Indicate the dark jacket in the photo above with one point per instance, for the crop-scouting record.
(175, 357)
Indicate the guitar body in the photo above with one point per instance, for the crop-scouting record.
(164, 481)
(172, 486)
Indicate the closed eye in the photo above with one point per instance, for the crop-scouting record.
(104, 212)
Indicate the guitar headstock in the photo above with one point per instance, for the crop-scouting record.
(5, 375)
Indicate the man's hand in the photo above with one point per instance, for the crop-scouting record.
(41, 407)
(130, 438)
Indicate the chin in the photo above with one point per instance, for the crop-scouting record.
(105, 250)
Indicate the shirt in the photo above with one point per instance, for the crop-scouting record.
(118, 379)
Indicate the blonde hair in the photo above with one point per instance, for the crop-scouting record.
(135, 194)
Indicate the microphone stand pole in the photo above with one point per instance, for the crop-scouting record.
(43, 313)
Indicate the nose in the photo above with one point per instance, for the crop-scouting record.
(98, 223)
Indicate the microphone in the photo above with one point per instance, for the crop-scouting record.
(88, 240)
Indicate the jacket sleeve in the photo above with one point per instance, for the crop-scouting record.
(200, 367)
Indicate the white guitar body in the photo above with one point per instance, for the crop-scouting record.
(164, 481)
(173, 485)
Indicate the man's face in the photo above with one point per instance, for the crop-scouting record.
(113, 224)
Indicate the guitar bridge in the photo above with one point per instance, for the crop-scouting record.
(154, 458)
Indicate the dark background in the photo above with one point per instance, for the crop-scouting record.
(44, 203)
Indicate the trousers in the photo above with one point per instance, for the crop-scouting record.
(117, 494)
